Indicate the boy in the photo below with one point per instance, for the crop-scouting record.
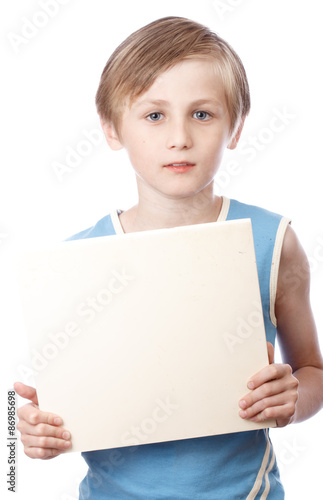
(175, 96)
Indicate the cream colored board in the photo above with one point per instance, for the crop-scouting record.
(145, 337)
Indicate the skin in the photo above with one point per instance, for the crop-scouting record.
(293, 391)
(190, 123)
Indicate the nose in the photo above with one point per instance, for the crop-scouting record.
(179, 135)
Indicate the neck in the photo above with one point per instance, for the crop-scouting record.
(158, 212)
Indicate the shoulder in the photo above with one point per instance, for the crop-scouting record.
(104, 227)
(292, 249)
(256, 213)
(268, 227)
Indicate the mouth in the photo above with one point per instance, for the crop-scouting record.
(179, 167)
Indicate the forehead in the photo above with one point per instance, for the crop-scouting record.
(192, 79)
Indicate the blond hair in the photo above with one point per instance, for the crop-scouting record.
(145, 54)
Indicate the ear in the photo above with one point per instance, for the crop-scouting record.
(110, 135)
(235, 139)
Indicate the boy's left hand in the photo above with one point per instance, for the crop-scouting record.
(274, 394)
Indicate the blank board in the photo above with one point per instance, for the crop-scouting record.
(145, 337)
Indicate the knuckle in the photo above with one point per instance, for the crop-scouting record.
(290, 410)
(294, 396)
(258, 408)
(33, 418)
(267, 413)
(274, 371)
(264, 405)
(43, 441)
(266, 390)
(295, 383)
(41, 429)
(41, 453)
(289, 370)
(59, 444)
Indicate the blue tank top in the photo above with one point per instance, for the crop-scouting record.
(230, 466)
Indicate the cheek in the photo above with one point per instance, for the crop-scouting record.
(214, 148)
(137, 141)
(140, 155)
(213, 157)
(218, 143)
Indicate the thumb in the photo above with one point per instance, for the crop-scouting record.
(271, 352)
(25, 391)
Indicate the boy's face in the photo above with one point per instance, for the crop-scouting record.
(176, 132)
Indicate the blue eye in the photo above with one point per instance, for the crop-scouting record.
(201, 115)
(154, 117)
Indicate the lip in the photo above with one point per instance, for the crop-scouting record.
(180, 166)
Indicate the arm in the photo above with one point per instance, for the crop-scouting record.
(41, 433)
(291, 391)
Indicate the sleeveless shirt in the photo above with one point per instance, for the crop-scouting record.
(230, 466)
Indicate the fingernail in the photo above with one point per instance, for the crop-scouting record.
(251, 385)
(66, 435)
(58, 421)
(67, 444)
(243, 404)
(243, 414)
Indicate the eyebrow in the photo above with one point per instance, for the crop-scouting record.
(162, 102)
(148, 102)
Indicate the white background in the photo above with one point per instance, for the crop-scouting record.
(47, 102)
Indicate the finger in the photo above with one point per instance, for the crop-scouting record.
(281, 413)
(271, 352)
(263, 404)
(43, 430)
(286, 399)
(33, 415)
(268, 390)
(25, 391)
(43, 453)
(45, 442)
(270, 372)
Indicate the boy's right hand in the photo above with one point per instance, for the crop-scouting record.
(41, 433)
